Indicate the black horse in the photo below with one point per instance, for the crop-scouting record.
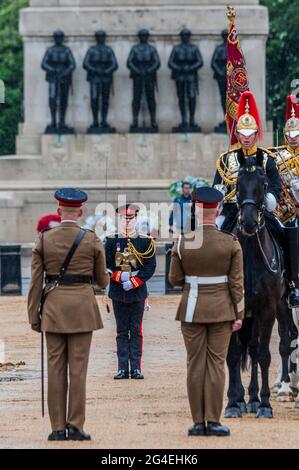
(264, 287)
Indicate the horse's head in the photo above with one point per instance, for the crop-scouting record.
(251, 191)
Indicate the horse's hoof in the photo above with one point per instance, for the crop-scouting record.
(264, 412)
(253, 406)
(242, 406)
(294, 380)
(296, 404)
(294, 391)
(284, 397)
(232, 412)
(275, 387)
(285, 393)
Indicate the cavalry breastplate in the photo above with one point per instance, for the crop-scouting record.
(288, 166)
(228, 167)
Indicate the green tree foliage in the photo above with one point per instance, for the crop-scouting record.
(282, 55)
(11, 72)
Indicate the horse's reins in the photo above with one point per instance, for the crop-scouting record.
(260, 213)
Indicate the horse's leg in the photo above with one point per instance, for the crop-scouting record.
(240, 390)
(284, 393)
(253, 389)
(264, 359)
(233, 362)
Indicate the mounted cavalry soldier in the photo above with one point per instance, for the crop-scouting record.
(287, 161)
(211, 308)
(248, 131)
(131, 261)
(67, 310)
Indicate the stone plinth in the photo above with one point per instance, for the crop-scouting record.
(141, 166)
(122, 19)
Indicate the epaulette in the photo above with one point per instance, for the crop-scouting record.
(141, 234)
(268, 151)
(274, 149)
(225, 153)
(233, 150)
(112, 235)
(277, 147)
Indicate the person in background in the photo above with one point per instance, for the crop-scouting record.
(180, 216)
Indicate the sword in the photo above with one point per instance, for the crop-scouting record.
(42, 375)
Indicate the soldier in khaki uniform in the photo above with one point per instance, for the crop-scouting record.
(70, 312)
(211, 308)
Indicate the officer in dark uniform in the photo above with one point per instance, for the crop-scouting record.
(131, 261)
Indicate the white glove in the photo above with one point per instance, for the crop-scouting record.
(295, 184)
(125, 276)
(219, 220)
(271, 202)
(127, 285)
(221, 188)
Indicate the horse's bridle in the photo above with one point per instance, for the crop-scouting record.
(260, 212)
(260, 224)
(259, 206)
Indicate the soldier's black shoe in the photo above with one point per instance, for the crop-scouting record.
(57, 436)
(293, 298)
(75, 435)
(136, 374)
(198, 429)
(217, 429)
(121, 374)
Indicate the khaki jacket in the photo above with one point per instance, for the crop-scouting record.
(219, 255)
(67, 308)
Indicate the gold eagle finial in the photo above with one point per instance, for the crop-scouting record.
(230, 12)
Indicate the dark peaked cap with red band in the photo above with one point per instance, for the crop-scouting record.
(70, 197)
(129, 211)
(208, 197)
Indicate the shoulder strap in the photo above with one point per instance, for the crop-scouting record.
(70, 254)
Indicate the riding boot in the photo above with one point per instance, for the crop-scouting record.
(291, 250)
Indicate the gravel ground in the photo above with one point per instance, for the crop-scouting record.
(152, 413)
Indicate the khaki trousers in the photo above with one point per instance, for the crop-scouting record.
(206, 345)
(67, 358)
